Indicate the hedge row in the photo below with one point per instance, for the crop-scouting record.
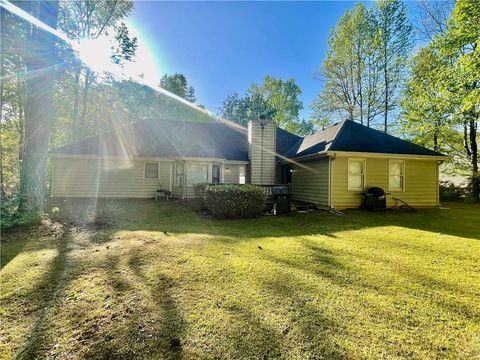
(232, 201)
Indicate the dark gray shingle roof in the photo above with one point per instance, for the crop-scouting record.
(353, 137)
(165, 138)
(225, 140)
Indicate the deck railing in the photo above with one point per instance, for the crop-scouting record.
(268, 188)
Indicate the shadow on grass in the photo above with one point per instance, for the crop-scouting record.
(47, 293)
(176, 217)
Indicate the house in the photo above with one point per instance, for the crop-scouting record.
(328, 168)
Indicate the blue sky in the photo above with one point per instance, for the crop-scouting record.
(222, 47)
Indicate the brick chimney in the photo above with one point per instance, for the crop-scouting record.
(261, 151)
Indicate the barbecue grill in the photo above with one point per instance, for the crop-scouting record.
(374, 199)
(281, 199)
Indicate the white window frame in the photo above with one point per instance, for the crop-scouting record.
(209, 172)
(364, 175)
(244, 167)
(390, 188)
(145, 167)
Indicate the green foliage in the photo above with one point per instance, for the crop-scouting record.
(365, 64)
(451, 192)
(281, 97)
(473, 187)
(12, 217)
(425, 112)
(441, 101)
(126, 48)
(274, 99)
(231, 201)
(178, 85)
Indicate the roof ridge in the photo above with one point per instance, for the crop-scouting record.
(343, 122)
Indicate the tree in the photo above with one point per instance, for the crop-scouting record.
(395, 37)
(178, 85)
(39, 61)
(426, 114)
(235, 108)
(432, 17)
(274, 99)
(281, 99)
(90, 19)
(350, 72)
(460, 86)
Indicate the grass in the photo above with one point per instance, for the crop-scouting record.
(365, 285)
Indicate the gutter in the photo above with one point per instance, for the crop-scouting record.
(388, 155)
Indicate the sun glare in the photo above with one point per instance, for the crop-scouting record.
(96, 54)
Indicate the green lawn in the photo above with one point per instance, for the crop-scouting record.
(365, 285)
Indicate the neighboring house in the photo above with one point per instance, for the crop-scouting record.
(328, 168)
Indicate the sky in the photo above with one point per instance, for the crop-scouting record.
(222, 47)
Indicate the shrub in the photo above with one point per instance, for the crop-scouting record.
(234, 200)
(12, 216)
(200, 193)
(450, 191)
(473, 188)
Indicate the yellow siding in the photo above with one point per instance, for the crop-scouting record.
(310, 182)
(74, 177)
(261, 151)
(420, 189)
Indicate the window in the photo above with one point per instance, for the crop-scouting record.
(396, 173)
(150, 171)
(241, 174)
(197, 173)
(179, 175)
(356, 174)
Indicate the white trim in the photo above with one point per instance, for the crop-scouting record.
(364, 174)
(170, 188)
(218, 160)
(403, 175)
(385, 155)
(158, 170)
(244, 174)
(52, 180)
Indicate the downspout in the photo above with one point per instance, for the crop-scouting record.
(330, 181)
(261, 154)
(184, 184)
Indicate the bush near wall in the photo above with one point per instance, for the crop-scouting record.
(449, 191)
(232, 201)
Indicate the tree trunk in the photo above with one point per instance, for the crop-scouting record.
(2, 186)
(474, 145)
(471, 148)
(39, 105)
(385, 79)
(88, 79)
(76, 94)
